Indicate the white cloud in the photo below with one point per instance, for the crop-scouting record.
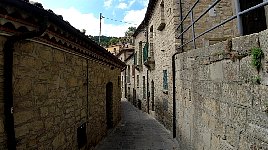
(108, 3)
(122, 6)
(131, 3)
(135, 16)
(91, 23)
(144, 2)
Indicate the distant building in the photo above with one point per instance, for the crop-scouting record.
(114, 49)
(127, 55)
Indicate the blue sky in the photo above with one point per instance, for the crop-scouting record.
(84, 14)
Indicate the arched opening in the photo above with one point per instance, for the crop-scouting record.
(109, 105)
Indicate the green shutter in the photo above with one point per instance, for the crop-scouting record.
(145, 52)
(165, 82)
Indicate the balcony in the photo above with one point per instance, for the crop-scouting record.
(150, 63)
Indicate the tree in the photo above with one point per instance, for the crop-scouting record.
(130, 31)
(113, 41)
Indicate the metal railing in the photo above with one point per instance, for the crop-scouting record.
(194, 21)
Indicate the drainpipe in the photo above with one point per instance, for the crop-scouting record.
(174, 77)
(174, 93)
(147, 93)
(8, 74)
(125, 74)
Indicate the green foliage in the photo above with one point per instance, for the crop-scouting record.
(105, 40)
(130, 31)
(113, 41)
(257, 55)
(256, 80)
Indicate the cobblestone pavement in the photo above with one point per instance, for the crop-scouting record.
(137, 131)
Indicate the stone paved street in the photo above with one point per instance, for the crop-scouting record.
(138, 131)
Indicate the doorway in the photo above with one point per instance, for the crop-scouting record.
(109, 105)
(254, 21)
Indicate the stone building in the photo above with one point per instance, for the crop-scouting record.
(114, 49)
(126, 55)
(59, 89)
(155, 43)
(202, 112)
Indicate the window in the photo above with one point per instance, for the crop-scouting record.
(143, 87)
(118, 81)
(145, 52)
(151, 42)
(137, 80)
(165, 82)
(254, 21)
(133, 71)
(140, 53)
(122, 82)
(128, 74)
(162, 22)
(135, 58)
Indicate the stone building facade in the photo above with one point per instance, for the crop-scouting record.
(126, 55)
(56, 73)
(195, 116)
(155, 43)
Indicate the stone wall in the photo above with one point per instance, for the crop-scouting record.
(222, 11)
(219, 103)
(52, 97)
(2, 130)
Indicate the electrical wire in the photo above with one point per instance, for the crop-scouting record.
(118, 20)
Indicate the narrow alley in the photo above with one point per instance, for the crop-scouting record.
(138, 131)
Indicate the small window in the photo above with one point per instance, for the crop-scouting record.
(119, 81)
(128, 74)
(81, 136)
(137, 80)
(165, 81)
(140, 53)
(143, 87)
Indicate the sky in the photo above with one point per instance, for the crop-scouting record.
(85, 14)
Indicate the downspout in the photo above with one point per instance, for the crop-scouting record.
(147, 93)
(174, 76)
(125, 74)
(8, 74)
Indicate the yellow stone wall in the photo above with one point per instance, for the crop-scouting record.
(51, 99)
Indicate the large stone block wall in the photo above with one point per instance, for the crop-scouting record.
(219, 103)
(99, 76)
(222, 11)
(51, 99)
